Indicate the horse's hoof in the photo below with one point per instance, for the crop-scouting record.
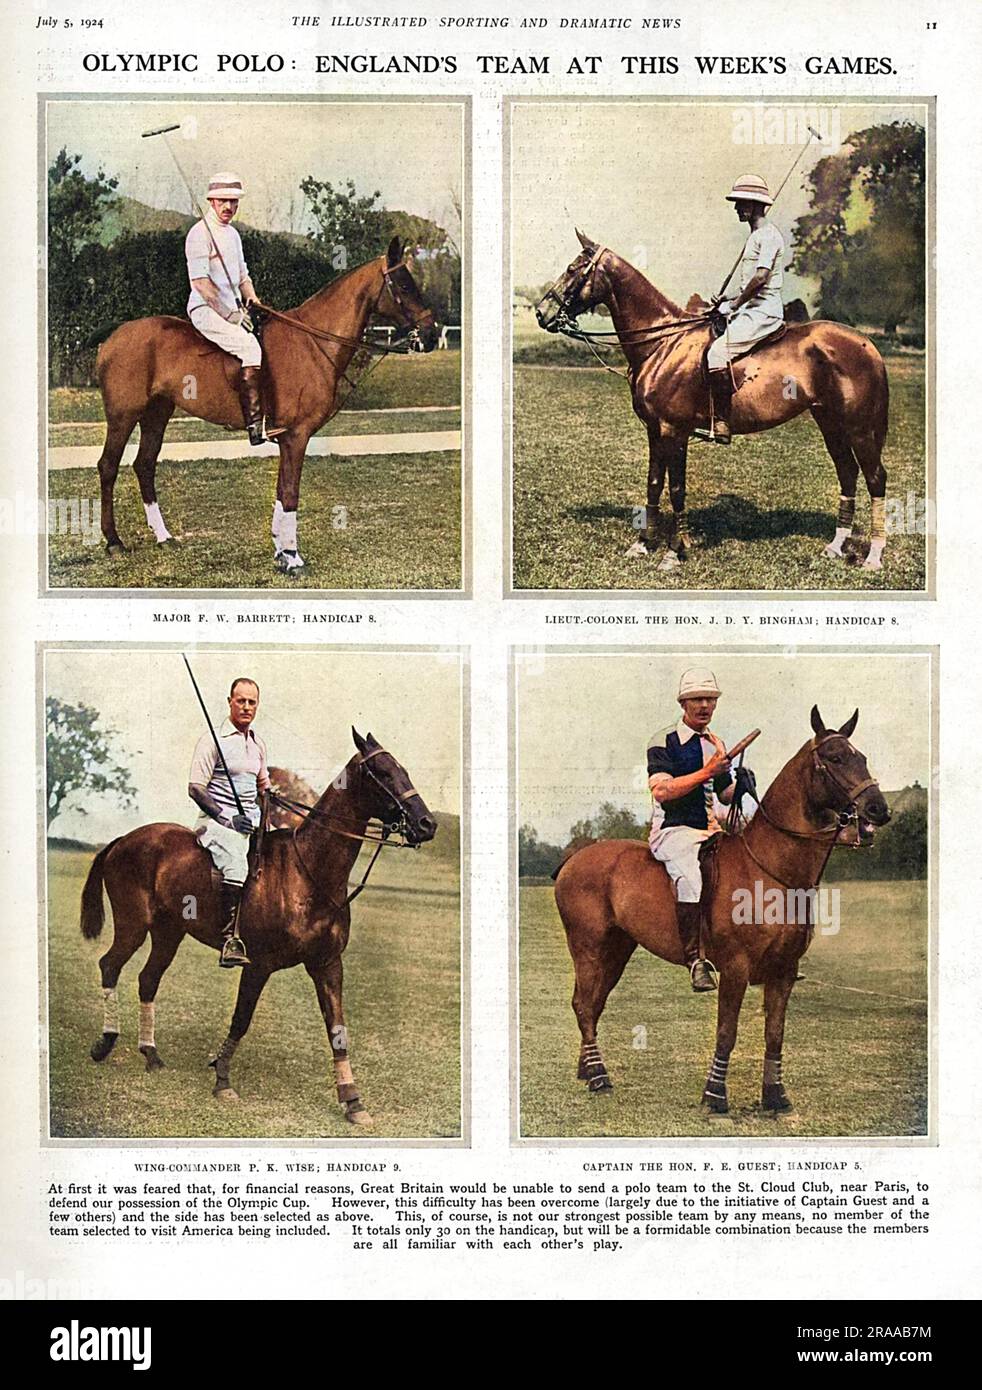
(154, 1060)
(115, 548)
(669, 561)
(716, 1104)
(638, 551)
(226, 1093)
(830, 553)
(600, 1083)
(775, 1098)
(288, 561)
(102, 1047)
(170, 541)
(871, 564)
(356, 1114)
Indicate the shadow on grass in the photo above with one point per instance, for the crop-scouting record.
(729, 518)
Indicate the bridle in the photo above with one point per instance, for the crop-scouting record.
(845, 815)
(564, 322)
(381, 836)
(411, 336)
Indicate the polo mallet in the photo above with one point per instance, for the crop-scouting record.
(211, 730)
(811, 132)
(165, 130)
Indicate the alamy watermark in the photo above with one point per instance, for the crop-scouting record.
(26, 515)
(787, 907)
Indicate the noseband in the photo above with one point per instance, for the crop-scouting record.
(563, 320)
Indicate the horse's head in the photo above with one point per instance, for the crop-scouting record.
(580, 287)
(388, 795)
(400, 302)
(840, 781)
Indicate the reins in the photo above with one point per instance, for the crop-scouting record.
(366, 343)
(831, 832)
(380, 838)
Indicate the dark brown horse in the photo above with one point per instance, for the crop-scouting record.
(613, 896)
(826, 368)
(149, 367)
(295, 909)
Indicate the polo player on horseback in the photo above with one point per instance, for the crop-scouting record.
(220, 286)
(687, 768)
(758, 308)
(230, 811)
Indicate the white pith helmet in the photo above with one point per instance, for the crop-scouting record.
(224, 186)
(699, 680)
(750, 188)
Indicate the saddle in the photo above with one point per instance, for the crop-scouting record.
(709, 865)
(745, 373)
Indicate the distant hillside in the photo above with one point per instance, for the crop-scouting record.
(129, 215)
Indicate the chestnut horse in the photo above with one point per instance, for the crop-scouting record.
(148, 367)
(826, 368)
(612, 896)
(295, 908)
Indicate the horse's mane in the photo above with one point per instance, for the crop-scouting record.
(332, 285)
(665, 306)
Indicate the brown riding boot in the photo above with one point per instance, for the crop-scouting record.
(689, 917)
(721, 391)
(233, 947)
(251, 402)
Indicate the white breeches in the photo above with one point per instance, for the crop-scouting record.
(743, 329)
(678, 849)
(230, 337)
(229, 849)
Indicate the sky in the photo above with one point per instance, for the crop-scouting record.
(309, 700)
(411, 152)
(649, 179)
(584, 720)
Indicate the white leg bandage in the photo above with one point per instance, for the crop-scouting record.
(287, 535)
(277, 522)
(110, 1011)
(146, 1025)
(155, 521)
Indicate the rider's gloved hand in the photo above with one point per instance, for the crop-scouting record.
(725, 307)
(745, 784)
(240, 823)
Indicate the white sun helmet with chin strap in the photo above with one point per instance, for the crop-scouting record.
(750, 188)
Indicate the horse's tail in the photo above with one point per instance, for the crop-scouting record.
(572, 848)
(100, 334)
(93, 914)
(883, 406)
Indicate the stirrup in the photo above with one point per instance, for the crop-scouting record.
(233, 952)
(702, 974)
(256, 433)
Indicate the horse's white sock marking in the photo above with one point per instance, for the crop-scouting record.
(287, 534)
(146, 1025)
(155, 521)
(277, 523)
(110, 1011)
(841, 532)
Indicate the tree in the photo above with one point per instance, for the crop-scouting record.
(350, 229)
(75, 209)
(864, 237)
(294, 788)
(536, 859)
(610, 823)
(78, 758)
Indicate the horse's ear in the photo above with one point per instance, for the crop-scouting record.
(360, 743)
(818, 728)
(394, 253)
(847, 729)
(585, 241)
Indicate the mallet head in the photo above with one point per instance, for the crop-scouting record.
(164, 129)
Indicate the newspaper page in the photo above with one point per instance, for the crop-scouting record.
(490, 667)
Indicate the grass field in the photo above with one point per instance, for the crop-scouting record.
(402, 1005)
(759, 512)
(402, 527)
(855, 1063)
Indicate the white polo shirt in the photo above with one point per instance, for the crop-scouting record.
(245, 755)
(204, 264)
